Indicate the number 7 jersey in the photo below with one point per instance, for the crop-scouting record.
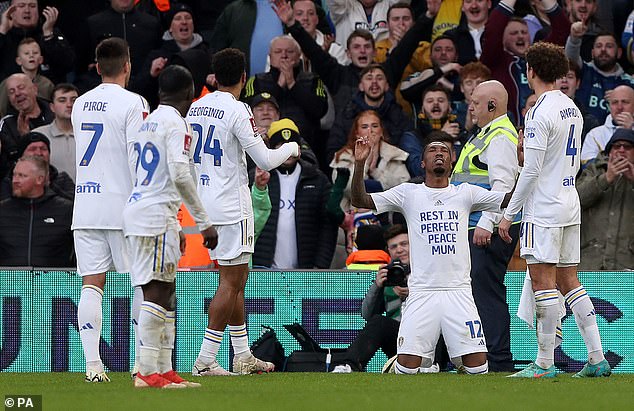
(223, 128)
(105, 121)
(554, 126)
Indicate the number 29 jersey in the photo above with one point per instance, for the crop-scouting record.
(223, 128)
(164, 138)
(105, 121)
(554, 125)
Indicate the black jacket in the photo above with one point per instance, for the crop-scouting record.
(394, 120)
(141, 30)
(36, 232)
(464, 42)
(305, 103)
(316, 231)
(59, 181)
(10, 136)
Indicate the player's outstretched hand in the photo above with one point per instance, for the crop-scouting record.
(210, 237)
(503, 230)
(520, 148)
(362, 148)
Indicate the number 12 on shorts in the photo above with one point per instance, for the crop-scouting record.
(475, 328)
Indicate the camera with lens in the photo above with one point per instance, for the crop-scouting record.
(397, 273)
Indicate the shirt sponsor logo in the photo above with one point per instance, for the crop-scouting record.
(569, 181)
(204, 180)
(89, 187)
(529, 132)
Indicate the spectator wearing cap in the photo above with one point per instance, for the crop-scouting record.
(30, 112)
(36, 144)
(299, 232)
(301, 95)
(180, 36)
(265, 112)
(60, 130)
(606, 193)
(35, 220)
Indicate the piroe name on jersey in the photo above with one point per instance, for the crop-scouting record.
(95, 106)
(206, 111)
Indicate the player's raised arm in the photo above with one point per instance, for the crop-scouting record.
(359, 196)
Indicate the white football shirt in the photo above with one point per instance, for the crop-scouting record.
(105, 120)
(223, 129)
(552, 142)
(438, 224)
(163, 138)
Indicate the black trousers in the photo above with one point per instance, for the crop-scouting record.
(488, 268)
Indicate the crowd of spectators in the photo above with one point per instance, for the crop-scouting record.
(330, 70)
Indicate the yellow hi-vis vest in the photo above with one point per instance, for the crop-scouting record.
(467, 169)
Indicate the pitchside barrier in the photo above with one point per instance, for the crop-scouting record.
(38, 317)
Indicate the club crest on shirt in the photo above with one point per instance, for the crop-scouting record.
(253, 125)
(187, 143)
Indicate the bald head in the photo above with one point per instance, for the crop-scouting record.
(22, 92)
(488, 102)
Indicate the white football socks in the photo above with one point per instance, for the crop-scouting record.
(151, 326)
(210, 346)
(89, 319)
(167, 343)
(400, 369)
(547, 310)
(586, 319)
(480, 369)
(239, 340)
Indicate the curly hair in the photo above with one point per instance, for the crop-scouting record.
(547, 60)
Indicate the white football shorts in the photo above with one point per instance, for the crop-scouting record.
(427, 314)
(99, 251)
(550, 245)
(154, 257)
(233, 241)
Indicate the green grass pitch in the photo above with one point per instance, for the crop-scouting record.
(322, 391)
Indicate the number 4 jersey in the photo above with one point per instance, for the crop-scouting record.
(552, 137)
(105, 121)
(223, 128)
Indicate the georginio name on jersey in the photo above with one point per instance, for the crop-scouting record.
(206, 111)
